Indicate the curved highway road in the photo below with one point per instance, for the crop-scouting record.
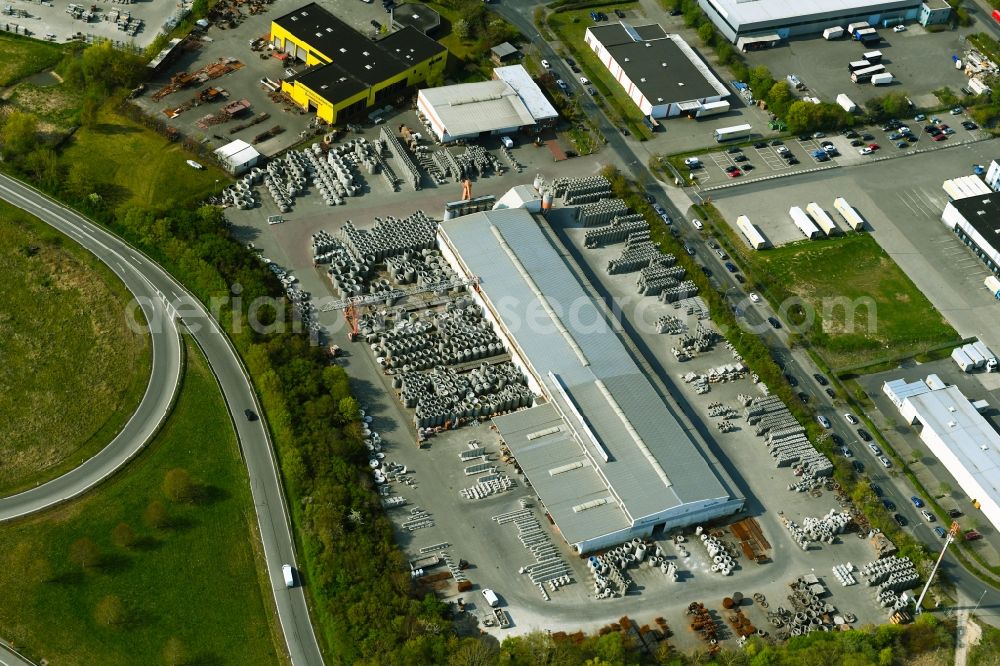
(168, 300)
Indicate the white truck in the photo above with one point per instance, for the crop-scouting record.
(491, 598)
(962, 360)
(833, 33)
(286, 571)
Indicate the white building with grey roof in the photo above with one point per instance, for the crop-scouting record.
(660, 72)
(602, 448)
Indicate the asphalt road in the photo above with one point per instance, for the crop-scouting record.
(146, 278)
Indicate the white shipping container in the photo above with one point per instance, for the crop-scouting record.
(833, 33)
(882, 79)
(991, 359)
(851, 27)
(802, 221)
(751, 233)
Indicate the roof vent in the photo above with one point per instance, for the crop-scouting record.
(663, 64)
(680, 83)
(642, 80)
(329, 29)
(951, 408)
(368, 66)
(295, 18)
(647, 44)
(984, 447)
(343, 50)
(305, 13)
(319, 34)
(626, 60)
(366, 53)
(952, 424)
(659, 99)
(323, 87)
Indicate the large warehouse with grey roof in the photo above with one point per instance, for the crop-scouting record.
(607, 457)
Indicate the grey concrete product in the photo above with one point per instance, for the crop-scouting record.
(265, 485)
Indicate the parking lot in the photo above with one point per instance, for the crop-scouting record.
(920, 62)
(901, 200)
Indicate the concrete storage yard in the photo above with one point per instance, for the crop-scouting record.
(436, 513)
(920, 62)
(901, 200)
(50, 20)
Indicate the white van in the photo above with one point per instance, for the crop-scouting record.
(286, 570)
(491, 597)
(507, 142)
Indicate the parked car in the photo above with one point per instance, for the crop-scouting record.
(885, 462)
(941, 532)
(847, 452)
(830, 392)
(692, 162)
(820, 379)
(889, 505)
(491, 597)
(562, 84)
(792, 381)
(939, 137)
(818, 135)
(864, 435)
(697, 224)
(973, 535)
(851, 418)
(249, 413)
(545, 64)
(917, 502)
(773, 322)
(919, 118)
(731, 168)
(928, 516)
(619, 13)
(955, 513)
(876, 489)
(754, 297)
(867, 150)
(874, 448)
(584, 80)
(706, 270)
(823, 421)
(776, 142)
(803, 397)
(734, 174)
(722, 255)
(689, 250)
(857, 142)
(858, 466)
(836, 439)
(867, 137)
(792, 161)
(740, 158)
(899, 28)
(900, 520)
(969, 125)
(740, 278)
(732, 150)
(760, 144)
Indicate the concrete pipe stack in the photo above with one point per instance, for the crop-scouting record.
(476, 160)
(891, 573)
(601, 212)
(635, 255)
(620, 229)
(400, 158)
(685, 289)
(844, 574)
(391, 236)
(577, 191)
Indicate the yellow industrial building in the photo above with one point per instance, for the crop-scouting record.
(348, 73)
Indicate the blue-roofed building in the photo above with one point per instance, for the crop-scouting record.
(602, 448)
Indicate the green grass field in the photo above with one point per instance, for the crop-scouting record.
(23, 56)
(135, 166)
(569, 27)
(72, 371)
(195, 584)
(56, 107)
(840, 278)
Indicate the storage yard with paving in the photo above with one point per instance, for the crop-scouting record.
(484, 532)
(122, 22)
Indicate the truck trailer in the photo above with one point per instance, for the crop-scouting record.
(835, 32)
(846, 103)
(850, 215)
(865, 75)
(712, 108)
(882, 79)
(993, 284)
(731, 133)
(962, 360)
(978, 360)
(821, 219)
(991, 359)
(805, 225)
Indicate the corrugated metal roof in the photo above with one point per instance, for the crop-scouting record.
(471, 108)
(518, 78)
(653, 464)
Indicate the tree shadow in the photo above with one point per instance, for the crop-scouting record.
(206, 658)
(147, 544)
(207, 495)
(69, 578)
(113, 563)
(106, 128)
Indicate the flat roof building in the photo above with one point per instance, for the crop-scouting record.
(416, 15)
(237, 156)
(770, 19)
(957, 434)
(660, 73)
(347, 72)
(510, 102)
(605, 453)
(976, 221)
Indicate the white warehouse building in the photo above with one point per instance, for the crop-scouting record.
(602, 449)
(661, 74)
(510, 102)
(957, 434)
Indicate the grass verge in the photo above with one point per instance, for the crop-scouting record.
(23, 56)
(143, 594)
(855, 305)
(569, 26)
(73, 370)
